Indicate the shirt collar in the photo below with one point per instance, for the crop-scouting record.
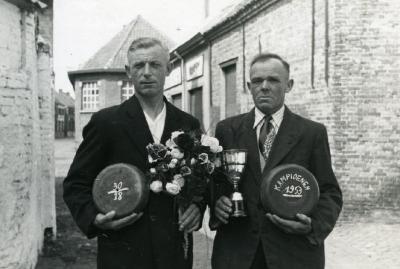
(159, 117)
(277, 117)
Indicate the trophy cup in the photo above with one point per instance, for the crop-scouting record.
(234, 161)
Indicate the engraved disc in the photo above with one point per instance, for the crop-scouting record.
(120, 187)
(289, 189)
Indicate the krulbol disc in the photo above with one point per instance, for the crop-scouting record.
(289, 189)
(120, 187)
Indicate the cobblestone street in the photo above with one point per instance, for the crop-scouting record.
(367, 245)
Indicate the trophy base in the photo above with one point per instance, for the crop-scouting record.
(238, 214)
(238, 205)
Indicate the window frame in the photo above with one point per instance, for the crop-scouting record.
(129, 87)
(92, 105)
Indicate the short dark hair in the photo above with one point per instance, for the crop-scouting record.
(265, 56)
(147, 42)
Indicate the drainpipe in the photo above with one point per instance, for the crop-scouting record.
(327, 43)
(207, 120)
(312, 42)
(183, 70)
(244, 55)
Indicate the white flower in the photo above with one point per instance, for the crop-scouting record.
(171, 165)
(175, 134)
(211, 142)
(170, 144)
(175, 161)
(153, 170)
(217, 162)
(176, 153)
(216, 148)
(151, 160)
(156, 186)
(192, 161)
(173, 188)
(179, 180)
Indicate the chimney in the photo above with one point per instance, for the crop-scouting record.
(206, 8)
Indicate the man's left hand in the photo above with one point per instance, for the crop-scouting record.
(300, 226)
(190, 219)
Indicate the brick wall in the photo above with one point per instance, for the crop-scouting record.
(223, 49)
(365, 82)
(345, 62)
(26, 134)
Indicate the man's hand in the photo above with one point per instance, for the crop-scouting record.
(106, 221)
(190, 219)
(300, 226)
(223, 208)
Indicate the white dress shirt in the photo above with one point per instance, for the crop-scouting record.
(157, 125)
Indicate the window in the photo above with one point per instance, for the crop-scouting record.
(90, 96)
(231, 105)
(196, 103)
(127, 90)
(177, 100)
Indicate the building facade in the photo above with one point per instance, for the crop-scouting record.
(345, 61)
(102, 81)
(27, 194)
(64, 115)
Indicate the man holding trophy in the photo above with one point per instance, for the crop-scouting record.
(250, 236)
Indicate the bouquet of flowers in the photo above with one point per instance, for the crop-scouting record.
(182, 166)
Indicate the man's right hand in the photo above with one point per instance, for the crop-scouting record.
(106, 222)
(223, 208)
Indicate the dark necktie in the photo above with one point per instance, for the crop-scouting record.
(267, 135)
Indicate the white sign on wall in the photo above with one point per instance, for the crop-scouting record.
(174, 78)
(194, 68)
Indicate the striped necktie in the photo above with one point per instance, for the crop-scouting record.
(267, 136)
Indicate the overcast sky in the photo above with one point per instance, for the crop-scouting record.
(81, 27)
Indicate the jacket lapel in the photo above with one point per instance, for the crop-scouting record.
(287, 137)
(172, 122)
(248, 137)
(136, 125)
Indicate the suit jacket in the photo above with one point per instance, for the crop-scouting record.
(299, 141)
(120, 134)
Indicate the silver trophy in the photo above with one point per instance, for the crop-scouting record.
(234, 161)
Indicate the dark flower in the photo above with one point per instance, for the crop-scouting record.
(210, 167)
(185, 171)
(163, 167)
(156, 152)
(184, 141)
(203, 157)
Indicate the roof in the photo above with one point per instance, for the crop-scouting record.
(113, 54)
(64, 99)
(229, 17)
(29, 3)
(225, 14)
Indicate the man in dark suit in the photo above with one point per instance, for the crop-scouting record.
(119, 134)
(273, 136)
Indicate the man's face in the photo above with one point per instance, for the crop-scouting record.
(147, 69)
(269, 81)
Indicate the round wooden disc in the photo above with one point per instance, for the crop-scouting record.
(289, 189)
(120, 187)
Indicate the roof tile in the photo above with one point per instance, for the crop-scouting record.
(113, 54)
